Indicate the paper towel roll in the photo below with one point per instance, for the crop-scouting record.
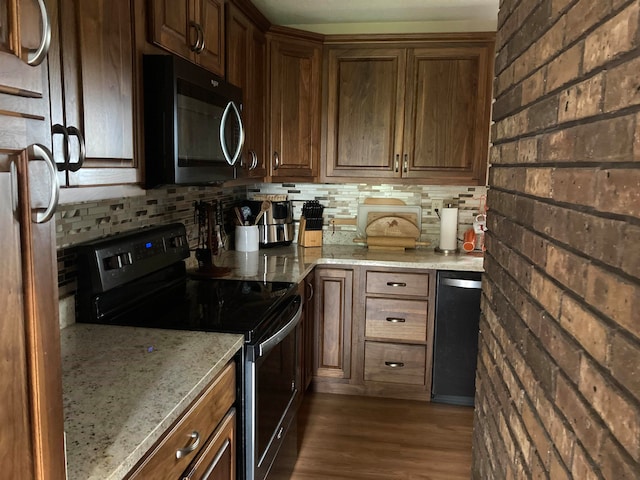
(448, 229)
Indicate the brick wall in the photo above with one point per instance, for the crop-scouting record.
(558, 383)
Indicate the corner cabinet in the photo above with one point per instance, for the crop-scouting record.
(294, 101)
(93, 73)
(412, 109)
(193, 29)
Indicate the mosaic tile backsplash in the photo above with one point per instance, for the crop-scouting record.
(78, 223)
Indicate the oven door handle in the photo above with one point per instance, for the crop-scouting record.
(277, 337)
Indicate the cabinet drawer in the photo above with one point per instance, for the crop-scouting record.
(217, 460)
(202, 417)
(396, 319)
(398, 283)
(391, 362)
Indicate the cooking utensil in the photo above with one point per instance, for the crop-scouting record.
(264, 206)
(239, 216)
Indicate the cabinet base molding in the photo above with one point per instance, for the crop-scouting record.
(386, 390)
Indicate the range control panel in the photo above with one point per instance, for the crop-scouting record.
(114, 261)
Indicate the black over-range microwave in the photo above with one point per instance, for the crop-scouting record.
(192, 124)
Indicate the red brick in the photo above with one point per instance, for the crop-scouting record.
(613, 38)
(513, 126)
(552, 41)
(507, 178)
(618, 413)
(558, 6)
(542, 114)
(585, 327)
(565, 354)
(623, 362)
(623, 86)
(581, 100)
(614, 464)
(546, 293)
(567, 268)
(561, 435)
(605, 140)
(538, 182)
(614, 296)
(503, 81)
(584, 15)
(619, 191)
(565, 68)
(557, 469)
(583, 423)
(533, 86)
(527, 150)
(629, 251)
(574, 185)
(598, 236)
(582, 468)
(636, 140)
(558, 146)
(539, 437)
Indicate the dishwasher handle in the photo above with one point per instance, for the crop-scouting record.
(460, 283)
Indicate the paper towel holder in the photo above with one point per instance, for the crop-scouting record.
(448, 251)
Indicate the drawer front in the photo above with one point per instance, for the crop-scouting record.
(217, 460)
(394, 363)
(395, 319)
(202, 417)
(398, 283)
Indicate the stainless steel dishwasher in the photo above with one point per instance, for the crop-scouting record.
(455, 349)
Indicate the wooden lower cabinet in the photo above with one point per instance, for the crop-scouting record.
(374, 331)
(183, 452)
(333, 311)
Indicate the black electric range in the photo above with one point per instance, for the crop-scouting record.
(140, 279)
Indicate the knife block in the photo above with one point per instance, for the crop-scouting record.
(308, 238)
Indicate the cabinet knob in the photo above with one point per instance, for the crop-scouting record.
(395, 320)
(396, 284)
(405, 164)
(198, 45)
(276, 160)
(40, 152)
(396, 164)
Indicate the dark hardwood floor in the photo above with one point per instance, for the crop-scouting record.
(352, 438)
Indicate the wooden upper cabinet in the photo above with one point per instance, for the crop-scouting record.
(193, 29)
(246, 68)
(415, 112)
(92, 74)
(447, 115)
(295, 107)
(366, 107)
(24, 88)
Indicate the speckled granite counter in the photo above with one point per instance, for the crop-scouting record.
(124, 386)
(292, 263)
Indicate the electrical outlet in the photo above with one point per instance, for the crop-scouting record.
(436, 205)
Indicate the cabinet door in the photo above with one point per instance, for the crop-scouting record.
(295, 90)
(31, 437)
(334, 292)
(193, 29)
(93, 68)
(24, 89)
(365, 111)
(172, 26)
(447, 117)
(246, 67)
(210, 17)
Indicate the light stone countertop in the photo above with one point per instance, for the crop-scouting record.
(292, 263)
(124, 386)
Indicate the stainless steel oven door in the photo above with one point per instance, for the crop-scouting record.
(272, 377)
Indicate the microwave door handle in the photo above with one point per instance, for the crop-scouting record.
(231, 106)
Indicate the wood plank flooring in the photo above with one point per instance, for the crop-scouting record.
(353, 438)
